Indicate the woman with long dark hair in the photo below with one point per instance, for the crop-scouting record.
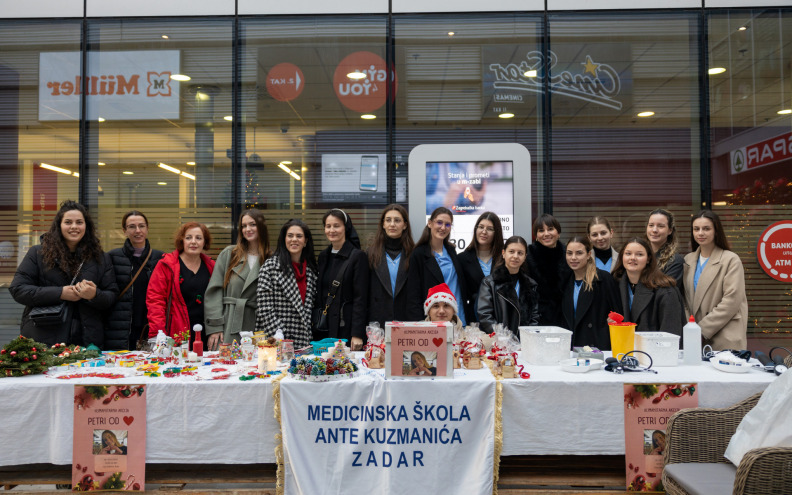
(287, 286)
(433, 262)
(508, 295)
(715, 285)
(546, 262)
(590, 293)
(649, 298)
(661, 232)
(230, 302)
(483, 253)
(175, 296)
(69, 266)
(347, 311)
(389, 256)
(133, 264)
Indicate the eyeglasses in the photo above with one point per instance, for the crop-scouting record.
(484, 228)
(440, 224)
(141, 226)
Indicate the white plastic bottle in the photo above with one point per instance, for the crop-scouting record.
(691, 341)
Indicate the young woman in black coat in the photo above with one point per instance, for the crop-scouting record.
(589, 295)
(547, 265)
(389, 257)
(649, 297)
(433, 262)
(128, 318)
(661, 232)
(483, 253)
(508, 295)
(70, 248)
(346, 315)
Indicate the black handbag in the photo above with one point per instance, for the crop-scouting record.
(319, 314)
(54, 314)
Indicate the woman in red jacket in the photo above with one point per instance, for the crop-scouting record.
(177, 285)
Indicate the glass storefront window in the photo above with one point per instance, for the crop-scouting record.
(750, 86)
(625, 119)
(313, 108)
(158, 119)
(39, 159)
(469, 79)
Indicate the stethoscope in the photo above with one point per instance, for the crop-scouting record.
(628, 363)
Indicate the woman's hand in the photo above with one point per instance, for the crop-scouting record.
(69, 293)
(214, 341)
(86, 289)
(356, 344)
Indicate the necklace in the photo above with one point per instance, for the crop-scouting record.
(633, 286)
(394, 262)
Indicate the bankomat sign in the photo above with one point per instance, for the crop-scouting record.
(760, 154)
(132, 85)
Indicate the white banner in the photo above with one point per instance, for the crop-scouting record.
(132, 85)
(370, 435)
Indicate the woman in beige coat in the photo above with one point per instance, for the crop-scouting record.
(230, 300)
(715, 285)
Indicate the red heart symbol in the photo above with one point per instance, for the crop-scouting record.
(437, 341)
(128, 420)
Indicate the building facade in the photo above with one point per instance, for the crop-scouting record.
(195, 110)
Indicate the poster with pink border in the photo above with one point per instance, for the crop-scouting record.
(109, 438)
(419, 350)
(647, 407)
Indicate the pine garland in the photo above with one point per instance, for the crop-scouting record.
(23, 356)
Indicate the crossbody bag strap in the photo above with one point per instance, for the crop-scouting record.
(143, 265)
(77, 273)
(334, 285)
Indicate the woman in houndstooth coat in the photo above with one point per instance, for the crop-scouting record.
(287, 286)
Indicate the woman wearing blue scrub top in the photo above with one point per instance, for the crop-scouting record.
(434, 261)
(389, 256)
(482, 254)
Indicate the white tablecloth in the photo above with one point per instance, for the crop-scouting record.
(232, 421)
(555, 412)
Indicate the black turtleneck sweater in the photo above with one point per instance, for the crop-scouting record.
(393, 246)
(549, 268)
(603, 254)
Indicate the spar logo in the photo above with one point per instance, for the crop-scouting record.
(113, 84)
(774, 250)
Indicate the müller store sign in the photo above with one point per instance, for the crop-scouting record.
(774, 250)
(133, 85)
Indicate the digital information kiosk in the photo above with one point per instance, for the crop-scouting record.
(470, 179)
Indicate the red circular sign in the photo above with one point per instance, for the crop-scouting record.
(774, 250)
(285, 82)
(365, 94)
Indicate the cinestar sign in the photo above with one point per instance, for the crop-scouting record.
(133, 85)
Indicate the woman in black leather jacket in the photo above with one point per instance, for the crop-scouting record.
(129, 316)
(508, 295)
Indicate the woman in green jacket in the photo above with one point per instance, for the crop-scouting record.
(230, 300)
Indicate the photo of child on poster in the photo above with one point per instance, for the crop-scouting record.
(469, 188)
(110, 442)
(417, 363)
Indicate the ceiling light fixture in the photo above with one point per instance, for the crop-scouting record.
(368, 116)
(60, 170)
(742, 28)
(169, 168)
(165, 37)
(180, 77)
(101, 119)
(228, 118)
(530, 73)
(357, 75)
(128, 172)
(189, 176)
(506, 115)
(192, 164)
(785, 111)
(162, 183)
(451, 33)
(716, 70)
(101, 164)
(646, 114)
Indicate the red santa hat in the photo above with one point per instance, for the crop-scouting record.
(440, 293)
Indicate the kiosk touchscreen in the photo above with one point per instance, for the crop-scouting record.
(470, 179)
